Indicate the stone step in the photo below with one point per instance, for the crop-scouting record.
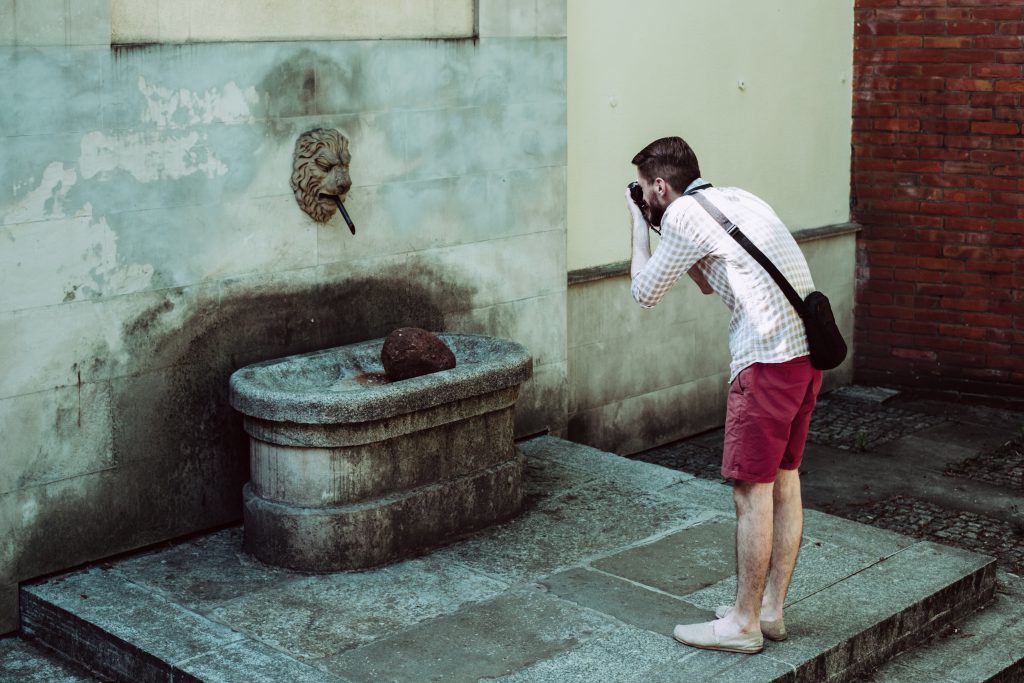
(26, 662)
(585, 585)
(987, 646)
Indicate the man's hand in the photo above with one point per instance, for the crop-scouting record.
(641, 237)
(635, 213)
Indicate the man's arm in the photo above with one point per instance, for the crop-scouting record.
(699, 278)
(641, 246)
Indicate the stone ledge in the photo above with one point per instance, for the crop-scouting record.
(621, 268)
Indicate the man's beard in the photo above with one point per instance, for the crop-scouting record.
(657, 212)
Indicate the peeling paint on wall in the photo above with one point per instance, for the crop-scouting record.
(66, 259)
(148, 157)
(109, 276)
(180, 107)
(44, 199)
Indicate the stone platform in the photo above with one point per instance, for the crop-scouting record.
(585, 585)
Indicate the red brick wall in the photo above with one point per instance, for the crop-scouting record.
(938, 183)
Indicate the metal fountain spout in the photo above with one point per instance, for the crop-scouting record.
(344, 214)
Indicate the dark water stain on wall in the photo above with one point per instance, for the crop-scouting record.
(295, 87)
(180, 416)
(180, 455)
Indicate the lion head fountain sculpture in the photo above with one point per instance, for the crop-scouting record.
(320, 177)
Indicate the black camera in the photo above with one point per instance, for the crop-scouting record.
(637, 193)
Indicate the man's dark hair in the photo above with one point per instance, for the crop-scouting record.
(670, 159)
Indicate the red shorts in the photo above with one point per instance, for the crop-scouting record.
(768, 416)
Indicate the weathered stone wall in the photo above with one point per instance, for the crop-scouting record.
(151, 245)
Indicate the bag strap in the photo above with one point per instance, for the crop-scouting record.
(737, 234)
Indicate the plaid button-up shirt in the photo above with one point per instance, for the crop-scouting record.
(764, 327)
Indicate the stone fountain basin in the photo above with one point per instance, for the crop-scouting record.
(348, 474)
(323, 387)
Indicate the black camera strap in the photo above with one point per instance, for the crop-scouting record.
(737, 234)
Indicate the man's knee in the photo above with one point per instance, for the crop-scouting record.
(750, 495)
(786, 492)
(787, 486)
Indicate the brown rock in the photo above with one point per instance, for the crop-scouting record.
(410, 352)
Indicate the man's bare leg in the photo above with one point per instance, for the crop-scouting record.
(787, 533)
(754, 527)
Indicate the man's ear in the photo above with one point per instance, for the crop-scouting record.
(660, 186)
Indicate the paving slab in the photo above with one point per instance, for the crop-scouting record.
(546, 478)
(706, 665)
(587, 583)
(202, 572)
(681, 563)
(918, 452)
(629, 602)
(485, 640)
(952, 477)
(626, 655)
(249, 661)
(319, 616)
(711, 495)
(966, 435)
(870, 540)
(819, 566)
(838, 480)
(569, 529)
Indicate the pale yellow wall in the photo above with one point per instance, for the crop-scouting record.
(649, 68)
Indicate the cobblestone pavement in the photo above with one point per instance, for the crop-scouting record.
(1003, 467)
(844, 420)
(859, 425)
(925, 520)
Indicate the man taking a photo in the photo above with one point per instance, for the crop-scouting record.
(773, 387)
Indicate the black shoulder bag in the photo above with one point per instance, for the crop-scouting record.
(823, 336)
